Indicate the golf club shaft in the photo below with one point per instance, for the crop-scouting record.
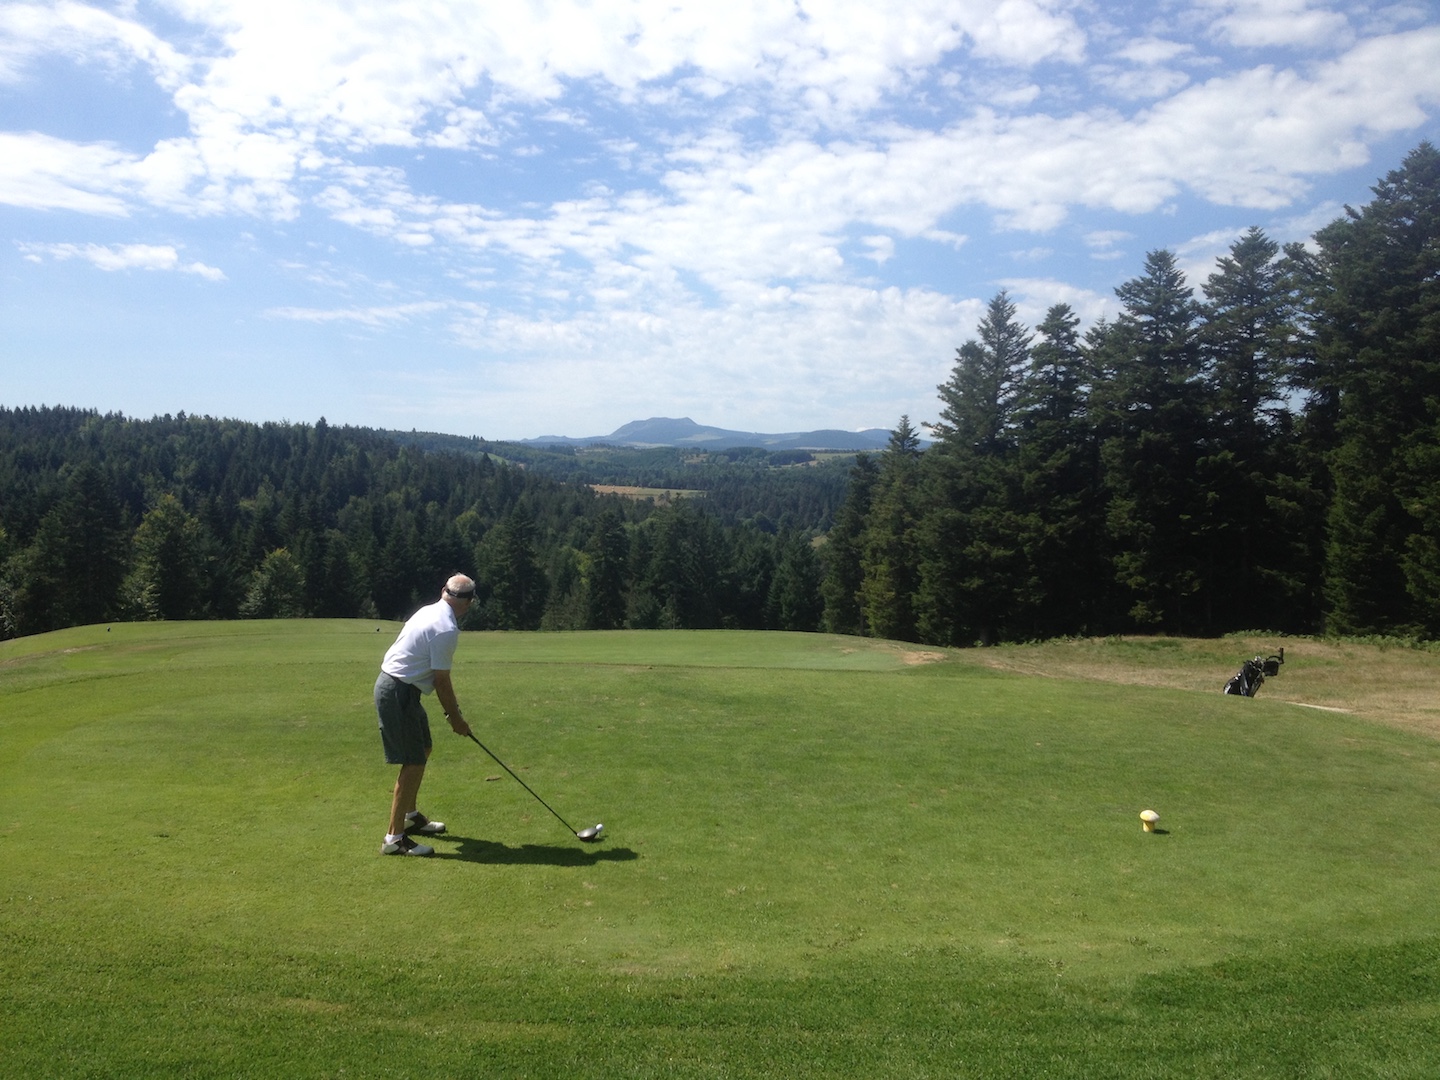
(522, 783)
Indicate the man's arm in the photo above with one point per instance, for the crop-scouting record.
(445, 691)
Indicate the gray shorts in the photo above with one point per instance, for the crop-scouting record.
(404, 727)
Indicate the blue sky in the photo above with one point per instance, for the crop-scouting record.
(556, 217)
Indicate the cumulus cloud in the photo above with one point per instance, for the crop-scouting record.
(1264, 23)
(1034, 297)
(86, 34)
(40, 172)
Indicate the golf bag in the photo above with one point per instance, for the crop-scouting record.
(1252, 674)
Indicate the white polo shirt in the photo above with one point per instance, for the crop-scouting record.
(425, 645)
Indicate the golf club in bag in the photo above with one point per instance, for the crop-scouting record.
(590, 835)
(1252, 674)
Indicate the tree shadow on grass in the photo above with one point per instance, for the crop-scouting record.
(495, 853)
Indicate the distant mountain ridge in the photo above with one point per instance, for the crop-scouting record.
(685, 433)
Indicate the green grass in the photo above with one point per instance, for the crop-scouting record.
(822, 859)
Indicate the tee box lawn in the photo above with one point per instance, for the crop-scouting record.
(824, 857)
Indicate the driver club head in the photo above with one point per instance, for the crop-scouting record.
(590, 835)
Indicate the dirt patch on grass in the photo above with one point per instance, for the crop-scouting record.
(1390, 684)
(916, 656)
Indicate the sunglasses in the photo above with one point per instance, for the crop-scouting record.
(461, 595)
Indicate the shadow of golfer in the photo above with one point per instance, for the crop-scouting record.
(497, 854)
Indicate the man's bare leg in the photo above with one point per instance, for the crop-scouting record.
(407, 792)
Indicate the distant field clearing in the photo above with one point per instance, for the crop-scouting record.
(657, 494)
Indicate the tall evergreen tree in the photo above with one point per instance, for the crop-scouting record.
(1061, 497)
(1153, 417)
(843, 553)
(605, 575)
(510, 586)
(680, 572)
(1379, 360)
(890, 560)
(794, 601)
(974, 583)
(978, 400)
(72, 571)
(168, 575)
(343, 591)
(1259, 565)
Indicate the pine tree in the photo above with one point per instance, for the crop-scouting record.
(1260, 570)
(890, 557)
(1060, 494)
(1152, 414)
(974, 582)
(794, 601)
(843, 553)
(1379, 362)
(510, 586)
(168, 577)
(606, 556)
(72, 571)
(979, 397)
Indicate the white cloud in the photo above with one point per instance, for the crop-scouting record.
(1135, 84)
(1264, 23)
(1034, 297)
(122, 257)
(1301, 227)
(1025, 32)
(1034, 254)
(1388, 18)
(1198, 256)
(378, 316)
(1105, 243)
(87, 34)
(880, 248)
(944, 236)
(464, 127)
(39, 172)
(1150, 51)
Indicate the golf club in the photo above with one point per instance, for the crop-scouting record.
(589, 835)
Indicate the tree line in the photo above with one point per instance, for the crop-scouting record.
(1265, 455)
(104, 517)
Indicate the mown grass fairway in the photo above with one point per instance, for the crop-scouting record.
(824, 857)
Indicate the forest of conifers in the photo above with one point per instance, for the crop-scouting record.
(104, 517)
(1263, 453)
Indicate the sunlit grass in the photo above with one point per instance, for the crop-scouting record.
(825, 856)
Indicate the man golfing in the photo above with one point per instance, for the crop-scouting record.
(417, 663)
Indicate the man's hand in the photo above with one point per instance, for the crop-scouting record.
(445, 691)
